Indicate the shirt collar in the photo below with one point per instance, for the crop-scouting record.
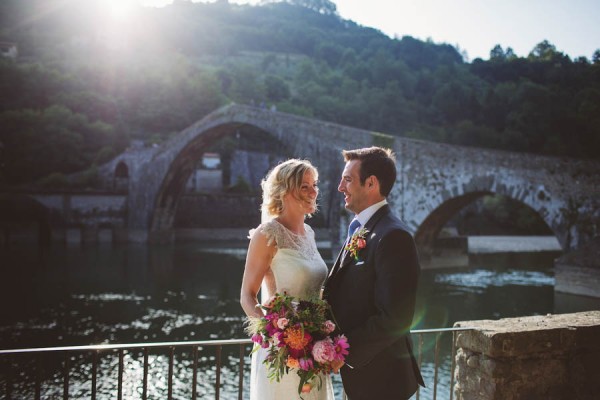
(365, 215)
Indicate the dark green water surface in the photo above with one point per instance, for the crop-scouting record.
(130, 294)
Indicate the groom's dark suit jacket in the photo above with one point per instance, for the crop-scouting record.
(373, 302)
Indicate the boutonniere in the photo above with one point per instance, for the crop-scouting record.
(357, 242)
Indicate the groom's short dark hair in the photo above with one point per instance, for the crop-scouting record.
(377, 161)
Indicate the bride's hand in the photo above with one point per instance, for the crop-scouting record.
(269, 302)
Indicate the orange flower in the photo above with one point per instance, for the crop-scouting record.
(296, 338)
(306, 388)
(292, 362)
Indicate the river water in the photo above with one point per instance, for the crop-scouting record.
(139, 293)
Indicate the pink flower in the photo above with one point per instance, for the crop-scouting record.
(282, 323)
(324, 351)
(328, 327)
(297, 353)
(341, 346)
(306, 388)
(257, 338)
(306, 364)
(271, 329)
(278, 339)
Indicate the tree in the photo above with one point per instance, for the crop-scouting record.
(245, 87)
(497, 53)
(320, 6)
(50, 140)
(510, 54)
(276, 89)
(596, 57)
(329, 52)
(544, 51)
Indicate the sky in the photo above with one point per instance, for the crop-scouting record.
(476, 26)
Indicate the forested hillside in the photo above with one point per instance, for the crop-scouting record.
(86, 82)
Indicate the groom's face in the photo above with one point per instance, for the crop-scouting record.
(355, 195)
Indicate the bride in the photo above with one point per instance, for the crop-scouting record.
(282, 256)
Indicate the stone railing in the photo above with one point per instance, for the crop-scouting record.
(539, 357)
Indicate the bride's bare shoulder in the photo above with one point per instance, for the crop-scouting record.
(267, 231)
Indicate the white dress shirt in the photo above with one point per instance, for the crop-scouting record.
(365, 215)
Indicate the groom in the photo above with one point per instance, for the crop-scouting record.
(373, 283)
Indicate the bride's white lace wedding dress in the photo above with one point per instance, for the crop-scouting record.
(298, 269)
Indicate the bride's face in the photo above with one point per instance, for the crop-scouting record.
(305, 198)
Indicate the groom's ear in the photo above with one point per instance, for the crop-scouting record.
(374, 186)
(372, 181)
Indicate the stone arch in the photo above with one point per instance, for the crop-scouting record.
(18, 210)
(179, 170)
(429, 229)
(435, 221)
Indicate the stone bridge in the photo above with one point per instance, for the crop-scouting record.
(434, 181)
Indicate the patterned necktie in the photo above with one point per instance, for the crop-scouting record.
(354, 225)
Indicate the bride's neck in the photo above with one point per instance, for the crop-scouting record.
(294, 223)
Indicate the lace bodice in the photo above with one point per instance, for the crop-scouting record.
(297, 267)
(283, 238)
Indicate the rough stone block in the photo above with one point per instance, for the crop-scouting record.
(540, 357)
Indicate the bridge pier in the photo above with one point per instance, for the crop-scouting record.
(578, 272)
(58, 235)
(446, 251)
(89, 234)
(73, 236)
(105, 235)
(165, 236)
(120, 235)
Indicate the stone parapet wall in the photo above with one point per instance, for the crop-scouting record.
(539, 357)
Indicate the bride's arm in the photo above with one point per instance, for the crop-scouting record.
(258, 261)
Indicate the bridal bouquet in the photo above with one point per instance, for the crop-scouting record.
(297, 336)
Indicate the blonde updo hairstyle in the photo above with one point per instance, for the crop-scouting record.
(285, 178)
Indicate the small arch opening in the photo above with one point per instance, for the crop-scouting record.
(121, 177)
(482, 223)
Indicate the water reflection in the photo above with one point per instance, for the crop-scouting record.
(127, 294)
(478, 280)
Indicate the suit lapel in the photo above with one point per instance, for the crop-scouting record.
(346, 258)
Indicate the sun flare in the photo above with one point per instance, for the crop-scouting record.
(120, 10)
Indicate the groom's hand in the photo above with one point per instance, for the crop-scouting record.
(336, 365)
